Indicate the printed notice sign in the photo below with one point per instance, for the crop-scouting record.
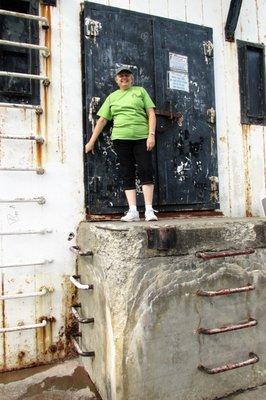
(178, 62)
(178, 81)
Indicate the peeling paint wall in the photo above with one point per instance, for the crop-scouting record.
(241, 151)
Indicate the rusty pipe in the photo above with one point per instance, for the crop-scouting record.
(251, 322)
(228, 367)
(226, 253)
(225, 292)
(80, 319)
(44, 20)
(24, 327)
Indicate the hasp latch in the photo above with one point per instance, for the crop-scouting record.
(92, 27)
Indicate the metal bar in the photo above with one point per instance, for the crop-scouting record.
(26, 16)
(79, 351)
(76, 250)
(38, 109)
(41, 292)
(46, 51)
(78, 285)
(7, 74)
(80, 319)
(38, 139)
(39, 200)
(232, 19)
(226, 253)
(228, 367)
(251, 322)
(24, 327)
(39, 171)
(225, 292)
(44, 262)
(42, 232)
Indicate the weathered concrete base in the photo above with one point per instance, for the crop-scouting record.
(66, 381)
(252, 394)
(147, 311)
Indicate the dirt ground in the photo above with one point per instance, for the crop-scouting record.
(64, 381)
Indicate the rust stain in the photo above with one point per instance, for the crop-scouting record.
(223, 139)
(248, 191)
(161, 215)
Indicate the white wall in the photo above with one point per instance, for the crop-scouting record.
(241, 152)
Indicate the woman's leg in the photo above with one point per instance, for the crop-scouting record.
(148, 193)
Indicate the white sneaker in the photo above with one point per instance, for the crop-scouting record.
(131, 216)
(150, 216)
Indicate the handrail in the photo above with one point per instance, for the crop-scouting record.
(79, 285)
(43, 291)
(44, 262)
(38, 109)
(46, 51)
(79, 351)
(77, 250)
(24, 327)
(36, 138)
(80, 319)
(228, 367)
(251, 322)
(225, 292)
(8, 74)
(38, 170)
(208, 255)
(26, 16)
(41, 232)
(40, 200)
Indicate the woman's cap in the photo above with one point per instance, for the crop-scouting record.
(123, 69)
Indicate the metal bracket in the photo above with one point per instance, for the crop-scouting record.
(78, 349)
(92, 27)
(78, 251)
(228, 367)
(80, 319)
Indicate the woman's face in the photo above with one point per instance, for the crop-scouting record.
(124, 80)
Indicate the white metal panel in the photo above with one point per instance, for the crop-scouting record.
(119, 3)
(247, 28)
(194, 11)
(177, 9)
(257, 165)
(261, 18)
(140, 6)
(2, 336)
(159, 8)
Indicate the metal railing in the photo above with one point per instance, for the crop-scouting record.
(24, 327)
(43, 20)
(39, 140)
(37, 263)
(39, 200)
(38, 109)
(41, 232)
(38, 170)
(8, 74)
(45, 50)
(43, 291)
(79, 285)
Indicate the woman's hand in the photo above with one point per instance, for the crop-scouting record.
(150, 142)
(89, 147)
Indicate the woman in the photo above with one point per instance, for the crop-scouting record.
(133, 135)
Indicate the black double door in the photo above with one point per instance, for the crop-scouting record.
(173, 61)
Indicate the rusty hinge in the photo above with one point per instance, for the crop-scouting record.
(92, 27)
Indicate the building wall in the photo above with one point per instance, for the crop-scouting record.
(241, 152)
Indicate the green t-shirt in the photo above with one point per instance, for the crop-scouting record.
(127, 108)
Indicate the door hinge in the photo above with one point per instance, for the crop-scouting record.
(211, 115)
(92, 27)
(208, 49)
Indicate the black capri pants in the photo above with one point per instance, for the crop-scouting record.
(135, 161)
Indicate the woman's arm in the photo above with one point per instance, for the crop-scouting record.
(152, 125)
(96, 132)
